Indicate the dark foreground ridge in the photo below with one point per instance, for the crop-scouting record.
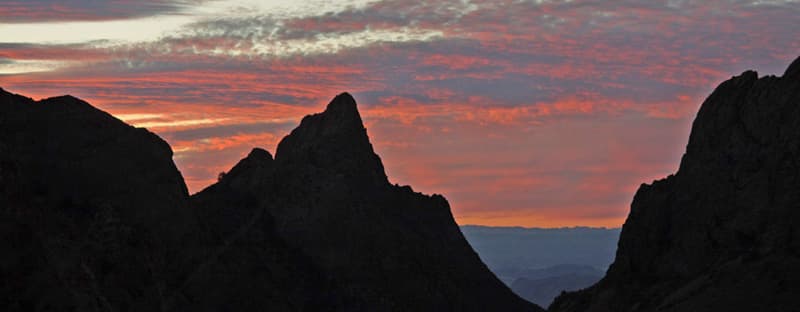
(94, 216)
(723, 233)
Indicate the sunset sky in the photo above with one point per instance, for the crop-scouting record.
(530, 113)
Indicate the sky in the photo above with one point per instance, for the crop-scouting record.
(522, 113)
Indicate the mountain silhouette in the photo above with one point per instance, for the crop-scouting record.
(92, 211)
(722, 233)
(95, 216)
(543, 285)
(378, 244)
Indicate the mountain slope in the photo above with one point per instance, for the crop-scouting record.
(241, 258)
(381, 246)
(91, 210)
(94, 216)
(721, 234)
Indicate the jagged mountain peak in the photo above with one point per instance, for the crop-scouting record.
(720, 234)
(257, 159)
(343, 105)
(326, 196)
(335, 143)
(341, 114)
(248, 175)
(258, 153)
(109, 223)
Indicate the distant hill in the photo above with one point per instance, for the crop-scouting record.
(542, 290)
(95, 216)
(721, 234)
(538, 264)
(510, 251)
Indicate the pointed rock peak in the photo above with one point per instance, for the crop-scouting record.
(257, 158)
(341, 112)
(70, 102)
(259, 154)
(248, 172)
(746, 77)
(343, 103)
(340, 118)
(334, 140)
(794, 69)
(65, 97)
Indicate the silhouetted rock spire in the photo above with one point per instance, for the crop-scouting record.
(721, 234)
(334, 141)
(344, 106)
(381, 245)
(94, 216)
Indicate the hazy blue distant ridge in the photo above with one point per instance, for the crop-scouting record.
(537, 263)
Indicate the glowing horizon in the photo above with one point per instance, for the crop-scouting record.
(521, 113)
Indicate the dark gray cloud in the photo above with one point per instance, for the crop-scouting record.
(27, 11)
(521, 112)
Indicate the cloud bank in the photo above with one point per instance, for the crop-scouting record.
(533, 113)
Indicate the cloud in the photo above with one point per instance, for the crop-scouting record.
(263, 37)
(534, 113)
(29, 11)
(9, 66)
(230, 130)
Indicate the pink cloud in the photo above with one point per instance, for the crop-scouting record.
(525, 114)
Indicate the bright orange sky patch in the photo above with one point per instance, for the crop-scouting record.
(538, 113)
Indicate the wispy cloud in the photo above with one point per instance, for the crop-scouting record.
(536, 113)
(9, 66)
(48, 11)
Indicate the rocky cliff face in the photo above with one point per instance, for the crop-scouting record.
(91, 209)
(722, 233)
(380, 246)
(94, 215)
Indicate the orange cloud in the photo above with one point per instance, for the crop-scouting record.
(521, 113)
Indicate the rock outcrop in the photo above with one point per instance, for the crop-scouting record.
(91, 209)
(722, 234)
(94, 216)
(380, 246)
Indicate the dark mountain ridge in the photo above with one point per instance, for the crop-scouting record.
(95, 216)
(87, 203)
(722, 233)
